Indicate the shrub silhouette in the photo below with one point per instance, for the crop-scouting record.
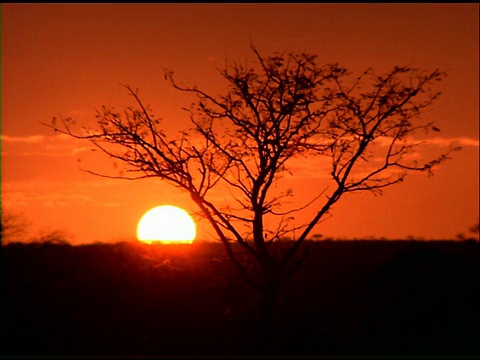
(427, 297)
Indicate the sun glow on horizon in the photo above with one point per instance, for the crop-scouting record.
(166, 224)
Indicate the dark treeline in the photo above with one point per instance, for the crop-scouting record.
(348, 298)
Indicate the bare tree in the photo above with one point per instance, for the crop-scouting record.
(14, 226)
(276, 110)
(52, 236)
(473, 233)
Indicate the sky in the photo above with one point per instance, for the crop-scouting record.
(70, 59)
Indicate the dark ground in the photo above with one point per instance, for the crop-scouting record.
(350, 298)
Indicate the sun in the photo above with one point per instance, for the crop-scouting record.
(166, 224)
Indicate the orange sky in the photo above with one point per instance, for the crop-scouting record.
(69, 59)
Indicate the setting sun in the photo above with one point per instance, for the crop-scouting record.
(166, 224)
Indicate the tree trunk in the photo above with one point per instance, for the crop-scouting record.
(265, 333)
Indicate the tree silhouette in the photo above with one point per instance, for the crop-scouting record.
(14, 226)
(474, 230)
(276, 110)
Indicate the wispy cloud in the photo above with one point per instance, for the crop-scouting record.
(36, 139)
(31, 139)
(440, 141)
(311, 167)
(24, 193)
(71, 152)
(459, 141)
(41, 145)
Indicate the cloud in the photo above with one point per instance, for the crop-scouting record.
(47, 193)
(28, 197)
(35, 139)
(78, 150)
(72, 152)
(459, 141)
(310, 167)
(440, 141)
(31, 139)
(41, 145)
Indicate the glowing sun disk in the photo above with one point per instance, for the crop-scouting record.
(166, 224)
